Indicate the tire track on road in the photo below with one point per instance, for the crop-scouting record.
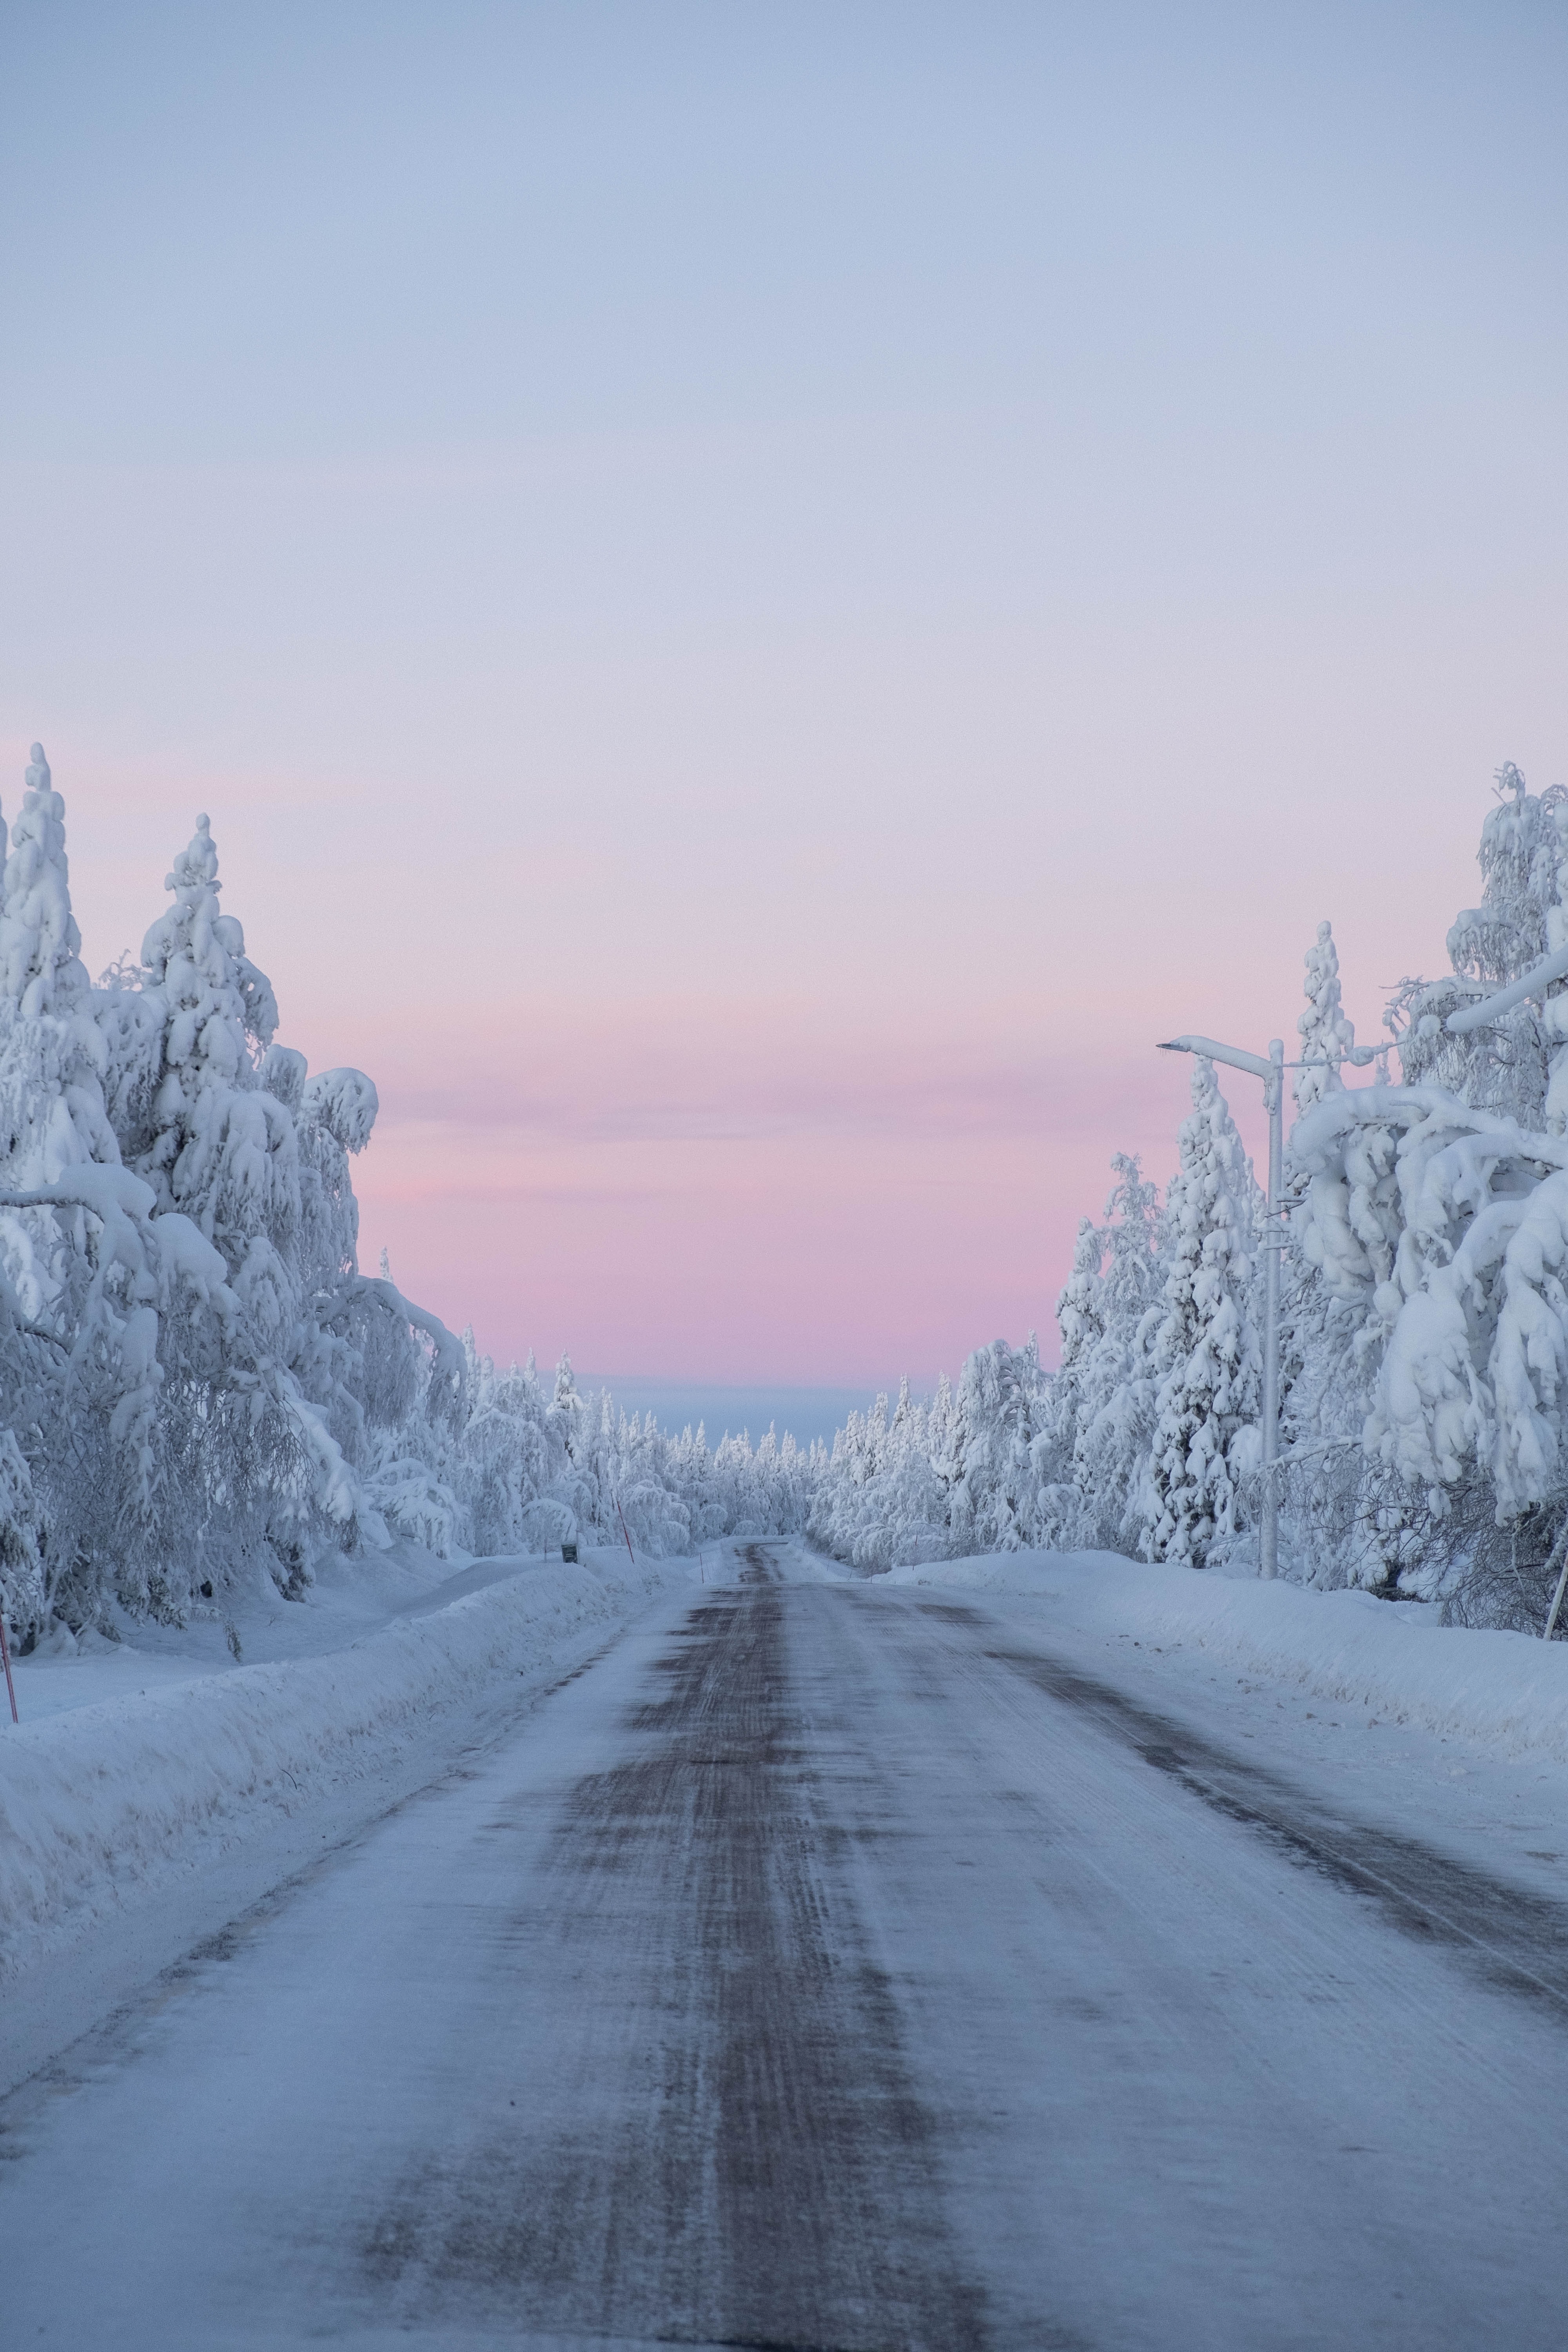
(1514, 1941)
(747, 2162)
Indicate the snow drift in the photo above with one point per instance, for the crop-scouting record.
(1506, 1690)
(96, 1804)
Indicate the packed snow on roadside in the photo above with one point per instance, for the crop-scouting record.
(152, 1756)
(1506, 1691)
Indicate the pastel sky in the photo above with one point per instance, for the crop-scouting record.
(763, 596)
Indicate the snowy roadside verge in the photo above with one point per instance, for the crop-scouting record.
(1503, 1690)
(99, 1804)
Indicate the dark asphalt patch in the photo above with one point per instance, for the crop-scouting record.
(749, 2163)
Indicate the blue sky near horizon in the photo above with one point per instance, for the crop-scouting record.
(805, 1413)
(760, 598)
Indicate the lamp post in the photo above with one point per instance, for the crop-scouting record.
(1272, 1073)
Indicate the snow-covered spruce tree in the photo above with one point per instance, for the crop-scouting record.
(848, 1512)
(216, 1144)
(880, 1501)
(1435, 1221)
(1504, 1066)
(505, 1462)
(690, 1474)
(398, 1401)
(993, 1503)
(1100, 1505)
(882, 1497)
(1325, 1374)
(43, 1250)
(81, 1280)
(1553, 1016)
(1520, 857)
(1325, 1034)
(251, 1473)
(338, 1404)
(1081, 1323)
(575, 1431)
(941, 1444)
(387, 1377)
(52, 1114)
(1205, 1438)
(307, 1414)
(1429, 1222)
(655, 1518)
(915, 1502)
(1435, 1217)
(787, 1471)
(766, 1490)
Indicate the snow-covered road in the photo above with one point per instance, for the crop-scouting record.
(830, 1966)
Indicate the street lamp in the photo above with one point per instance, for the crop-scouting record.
(1272, 1073)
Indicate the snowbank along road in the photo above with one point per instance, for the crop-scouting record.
(832, 1966)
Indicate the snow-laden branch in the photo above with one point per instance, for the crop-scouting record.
(450, 1358)
(1448, 1226)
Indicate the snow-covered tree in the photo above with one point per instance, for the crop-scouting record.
(198, 1385)
(80, 1281)
(218, 1146)
(52, 1116)
(41, 970)
(1207, 1352)
(1520, 857)
(883, 1499)
(1081, 1321)
(1326, 1035)
(1091, 1456)
(1502, 1067)
(999, 1413)
(1425, 1393)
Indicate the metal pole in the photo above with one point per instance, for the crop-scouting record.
(5, 1655)
(1268, 1533)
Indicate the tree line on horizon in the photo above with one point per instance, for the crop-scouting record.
(200, 1391)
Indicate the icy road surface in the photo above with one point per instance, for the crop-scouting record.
(830, 1966)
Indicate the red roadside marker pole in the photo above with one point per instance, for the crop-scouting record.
(622, 1517)
(10, 1685)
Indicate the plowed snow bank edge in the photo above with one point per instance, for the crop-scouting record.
(1505, 1690)
(97, 1803)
